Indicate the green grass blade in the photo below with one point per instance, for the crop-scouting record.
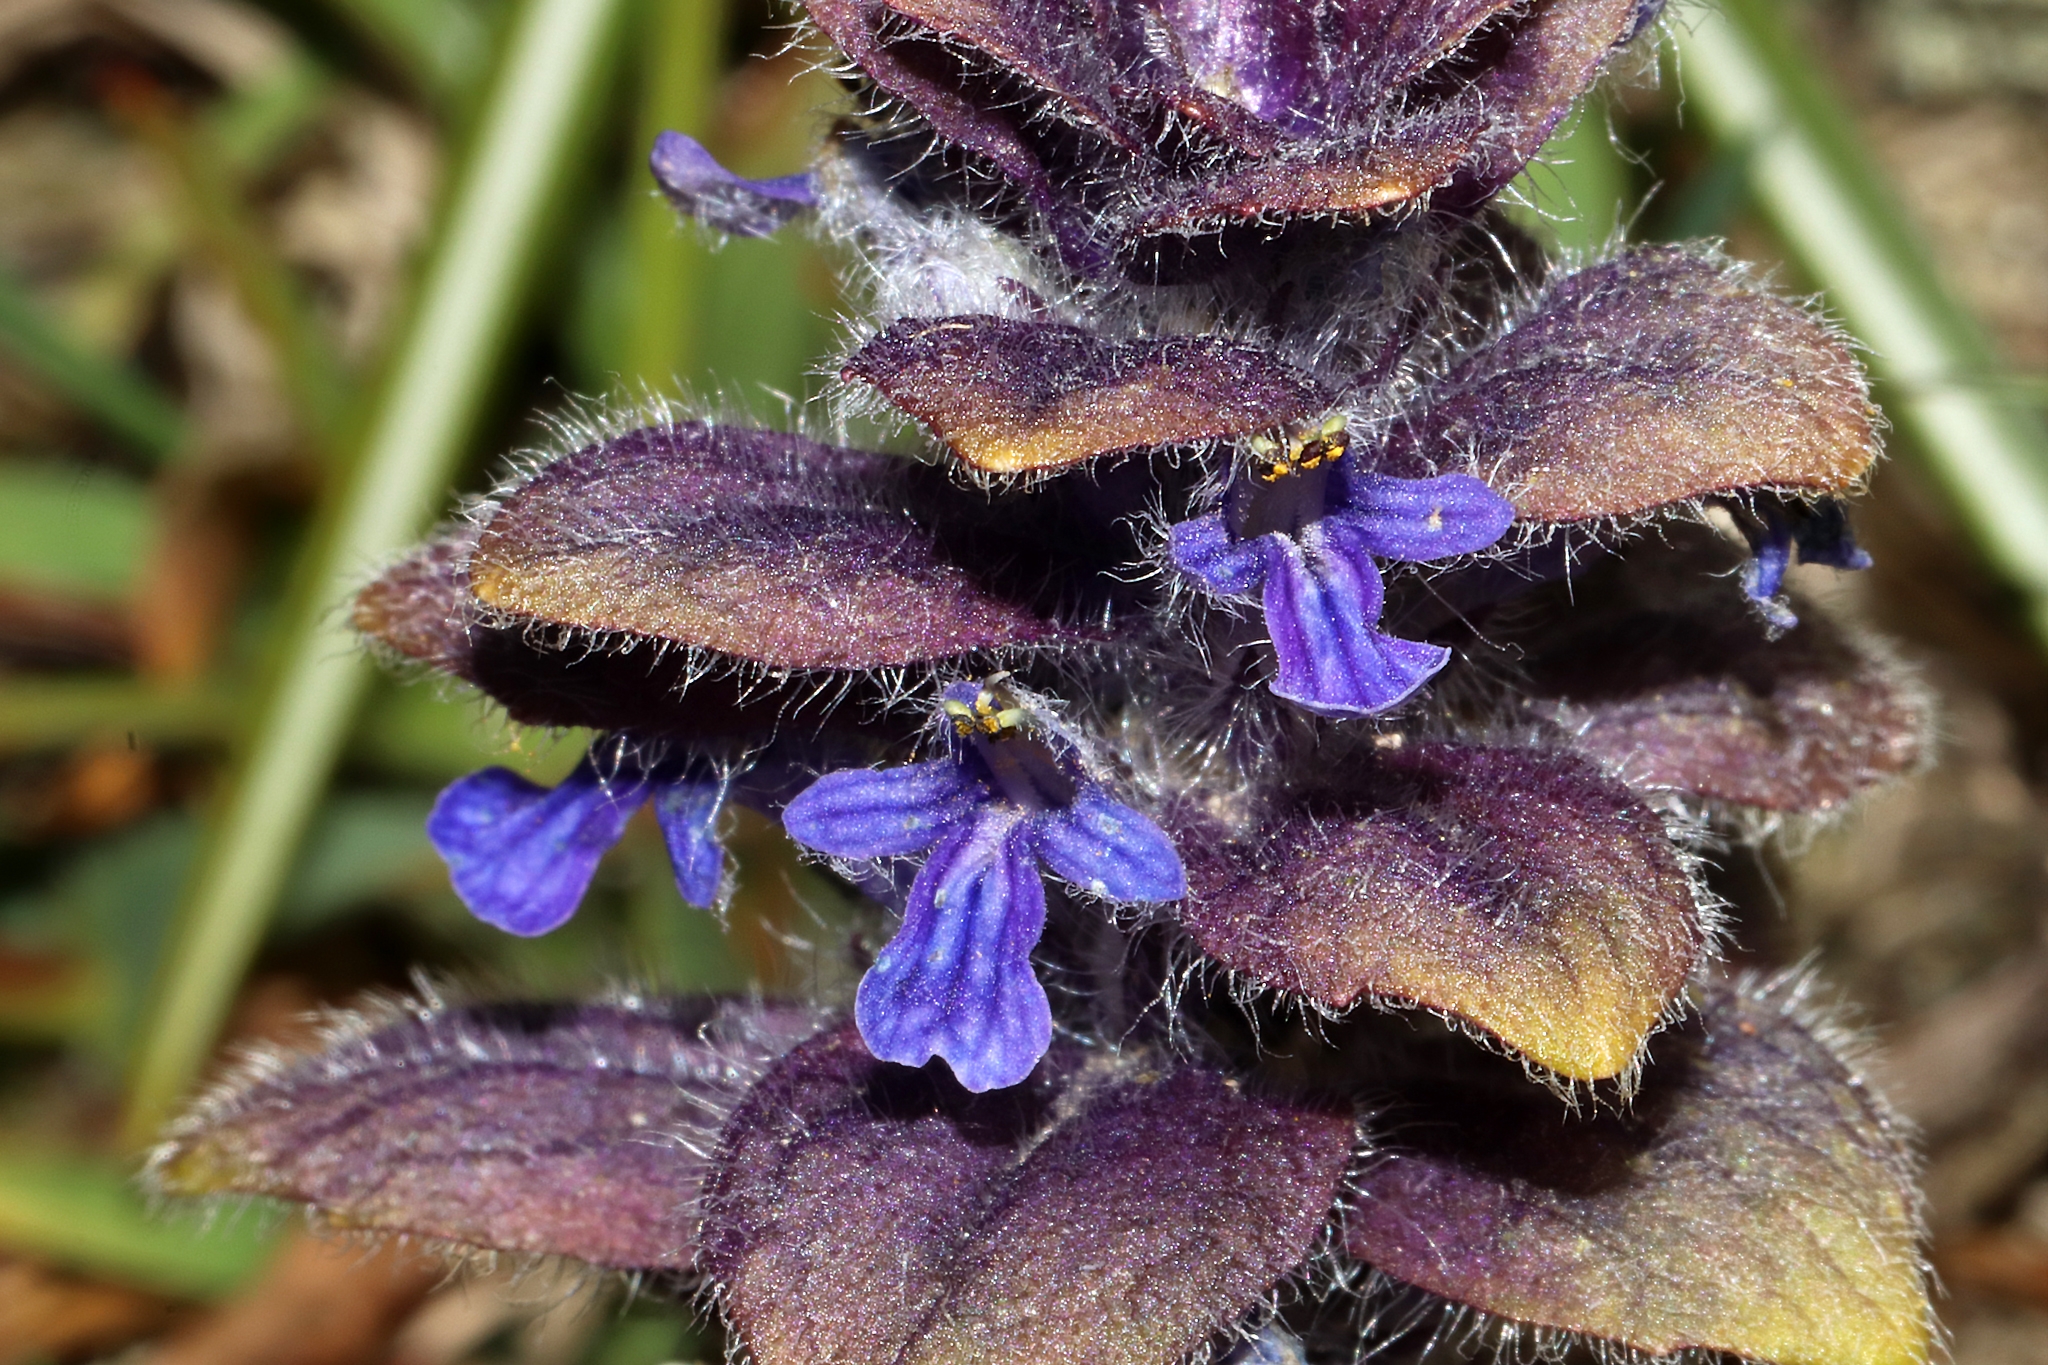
(555, 61)
(1748, 74)
(107, 390)
(88, 1215)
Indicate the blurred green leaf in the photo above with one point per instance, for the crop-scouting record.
(119, 899)
(362, 847)
(681, 55)
(104, 389)
(53, 713)
(224, 227)
(643, 1339)
(75, 530)
(762, 301)
(554, 68)
(432, 733)
(252, 126)
(443, 45)
(88, 1215)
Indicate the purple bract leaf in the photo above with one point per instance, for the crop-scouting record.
(756, 545)
(421, 610)
(1120, 122)
(1107, 1211)
(1703, 701)
(1015, 397)
(1756, 1200)
(1521, 891)
(1656, 377)
(530, 1128)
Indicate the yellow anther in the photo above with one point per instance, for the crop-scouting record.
(1305, 448)
(993, 711)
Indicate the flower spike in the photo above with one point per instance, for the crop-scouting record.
(1009, 795)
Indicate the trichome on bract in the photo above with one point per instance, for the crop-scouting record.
(1290, 597)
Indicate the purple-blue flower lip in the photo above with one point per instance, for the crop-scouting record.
(1007, 796)
(1307, 526)
(522, 856)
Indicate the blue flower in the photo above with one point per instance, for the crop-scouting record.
(521, 855)
(956, 980)
(698, 186)
(1307, 529)
(1814, 533)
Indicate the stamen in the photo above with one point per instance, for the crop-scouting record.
(1303, 448)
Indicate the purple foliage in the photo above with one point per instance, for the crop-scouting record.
(1186, 299)
(763, 547)
(1752, 1201)
(569, 1130)
(1120, 120)
(1013, 397)
(1110, 1208)
(1522, 891)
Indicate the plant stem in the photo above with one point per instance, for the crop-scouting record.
(554, 62)
(1754, 82)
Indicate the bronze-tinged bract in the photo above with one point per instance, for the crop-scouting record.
(1521, 891)
(1123, 120)
(559, 1130)
(1656, 377)
(762, 547)
(1707, 704)
(1014, 397)
(421, 609)
(1113, 1209)
(1756, 1199)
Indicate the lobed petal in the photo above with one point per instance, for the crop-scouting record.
(1016, 397)
(956, 981)
(698, 186)
(1204, 549)
(1521, 891)
(1109, 850)
(883, 813)
(1322, 598)
(1756, 1200)
(1421, 519)
(688, 815)
(520, 855)
(559, 1130)
(1653, 378)
(1114, 1209)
